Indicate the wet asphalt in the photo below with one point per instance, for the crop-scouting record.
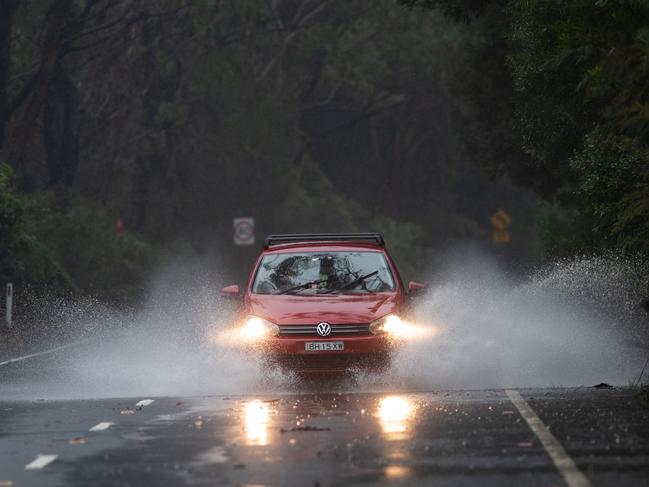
(323, 438)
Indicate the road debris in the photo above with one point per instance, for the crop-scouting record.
(303, 428)
(77, 441)
(603, 385)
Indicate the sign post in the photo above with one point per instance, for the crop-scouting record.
(9, 304)
(244, 231)
(119, 228)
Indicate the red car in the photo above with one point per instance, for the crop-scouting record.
(324, 302)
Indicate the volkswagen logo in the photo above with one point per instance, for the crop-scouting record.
(323, 329)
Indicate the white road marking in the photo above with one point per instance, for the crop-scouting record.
(144, 402)
(566, 466)
(40, 461)
(101, 426)
(45, 352)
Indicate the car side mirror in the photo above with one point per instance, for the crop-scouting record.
(231, 292)
(416, 288)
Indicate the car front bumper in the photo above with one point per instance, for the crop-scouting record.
(360, 352)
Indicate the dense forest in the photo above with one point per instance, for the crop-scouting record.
(416, 118)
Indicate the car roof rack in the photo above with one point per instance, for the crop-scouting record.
(372, 237)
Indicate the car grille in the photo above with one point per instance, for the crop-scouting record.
(336, 330)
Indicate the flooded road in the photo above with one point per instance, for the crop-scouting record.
(320, 438)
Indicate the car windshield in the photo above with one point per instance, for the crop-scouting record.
(314, 273)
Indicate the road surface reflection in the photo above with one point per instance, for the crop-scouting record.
(297, 428)
(394, 413)
(256, 419)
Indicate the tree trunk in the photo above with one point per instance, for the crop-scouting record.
(7, 10)
(61, 133)
(21, 132)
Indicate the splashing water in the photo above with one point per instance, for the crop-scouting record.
(573, 323)
(576, 322)
(162, 350)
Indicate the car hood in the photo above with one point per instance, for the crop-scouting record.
(335, 309)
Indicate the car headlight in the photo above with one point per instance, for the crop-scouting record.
(255, 328)
(390, 325)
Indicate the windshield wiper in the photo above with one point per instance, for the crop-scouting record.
(303, 286)
(352, 283)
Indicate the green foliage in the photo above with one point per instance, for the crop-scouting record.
(632, 223)
(551, 118)
(23, 256)
(307, 115)
(611, 203)
(463, 10)
(313, 204)
(576, 64)
(580, 71)
(74, 250)
(404, 242)
(606, 169)
(82, 240)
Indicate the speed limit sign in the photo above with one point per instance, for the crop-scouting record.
(244, 231)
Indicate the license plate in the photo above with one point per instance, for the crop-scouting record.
(324, 346)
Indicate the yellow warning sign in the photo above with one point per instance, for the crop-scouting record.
(500, 221)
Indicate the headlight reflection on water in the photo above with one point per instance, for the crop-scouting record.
(256, 420)
(394, 413)
(397, 471)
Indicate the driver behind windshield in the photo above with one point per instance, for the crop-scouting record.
(329, 277)
(317, 273)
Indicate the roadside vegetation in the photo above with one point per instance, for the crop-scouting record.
(417, 118)
(580, 106)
